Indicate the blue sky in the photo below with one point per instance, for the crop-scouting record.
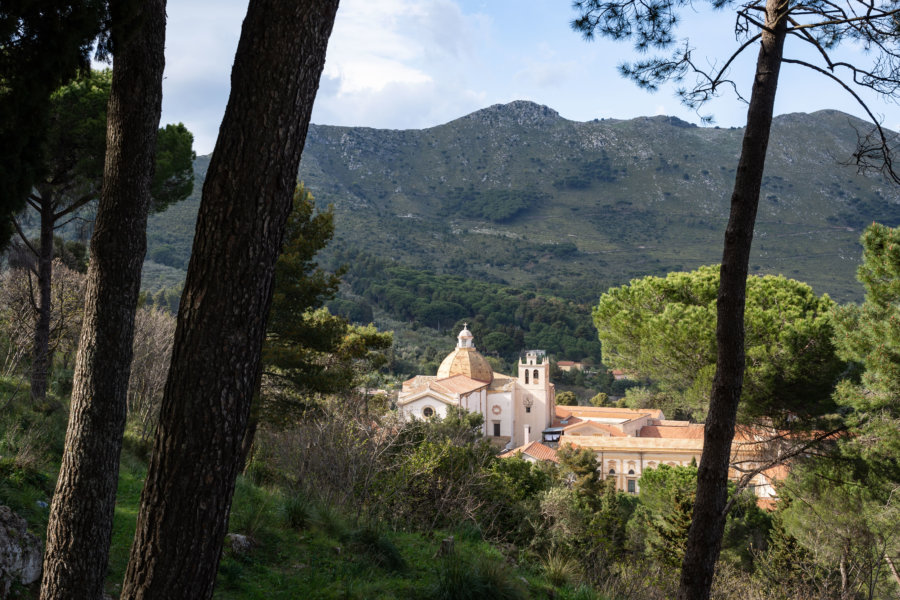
(404, 64)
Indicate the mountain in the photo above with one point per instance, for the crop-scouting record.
(515, 195)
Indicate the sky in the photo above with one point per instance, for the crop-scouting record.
(411, 64)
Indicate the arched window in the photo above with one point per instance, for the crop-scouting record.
(631, 471)
(535, 376)
(612, 471)
(526, 375)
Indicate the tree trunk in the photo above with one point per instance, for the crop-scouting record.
(40, 364)
(708, 522)
(222, 318)
(80, 526)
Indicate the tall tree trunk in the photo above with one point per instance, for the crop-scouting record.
(40, 363)
(222, 318)
(78, 534)
(708, 522)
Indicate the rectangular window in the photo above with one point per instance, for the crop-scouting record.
(632, 486)
(496, 429)
(527, 409)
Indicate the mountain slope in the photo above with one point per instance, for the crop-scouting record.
(516, 195)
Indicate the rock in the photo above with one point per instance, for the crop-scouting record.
(21, 553)
(238, 544)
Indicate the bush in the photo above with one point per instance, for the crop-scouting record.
(378, 547)
(559, 569)
(486, 579)
(297, 511)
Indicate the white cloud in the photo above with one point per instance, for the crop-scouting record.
(399, 64)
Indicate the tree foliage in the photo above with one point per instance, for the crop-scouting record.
(42, 46)
(566, 399)
(869, 336)
(663, 329)
(847, 526)
(503, 319)
(74, 155)
(821, 27)
(75, 148)
(308, 351)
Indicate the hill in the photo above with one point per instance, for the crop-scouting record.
(517, 197)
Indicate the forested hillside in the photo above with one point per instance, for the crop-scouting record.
(514, 200)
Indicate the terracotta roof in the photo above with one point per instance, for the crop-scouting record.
(535, 450)
(777, 473)
(610, 429)
(679, 432)
(417, 381)
(637, 444)
(767, 504)
(570, 421)
(565, 363)
(500, 381)
(468, 362)
(458, 384)
(607, 412)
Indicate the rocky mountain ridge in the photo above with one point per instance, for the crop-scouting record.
(518, 195)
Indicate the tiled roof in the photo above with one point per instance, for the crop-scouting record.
(570, 421)
(688, 431)
(417, 381)
(636, 444)
(607, 412)
(535, 450)
(767, 504)
(500, 381)
(610, 429)
(458, 384)
(468, 362)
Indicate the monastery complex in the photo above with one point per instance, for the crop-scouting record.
(521, 416)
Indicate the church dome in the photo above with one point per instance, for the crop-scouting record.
(466, 360)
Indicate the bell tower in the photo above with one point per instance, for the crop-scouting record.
(534, 397)
(534, 370)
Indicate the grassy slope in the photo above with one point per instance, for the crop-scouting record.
(325, 557)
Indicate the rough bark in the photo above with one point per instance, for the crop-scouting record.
(40, 362)
(708, 522)
(222, 318)
(80, 526)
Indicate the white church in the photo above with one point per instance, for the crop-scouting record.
(516, 410)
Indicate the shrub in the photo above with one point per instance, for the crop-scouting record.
(559, 569)
(378, 547)
(297, 511)
(486, 579)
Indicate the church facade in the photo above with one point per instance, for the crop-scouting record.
(516, 409)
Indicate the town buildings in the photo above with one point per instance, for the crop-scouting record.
(521, 416)
(516, 409)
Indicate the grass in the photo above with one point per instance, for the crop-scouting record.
(300, 550)
(560, 570)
